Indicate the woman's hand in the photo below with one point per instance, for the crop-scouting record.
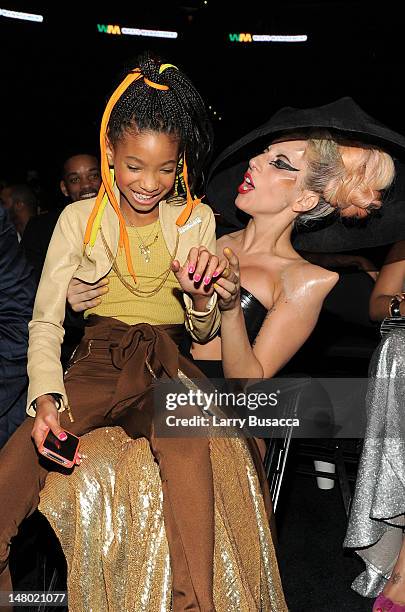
(47, 418)
(82, 296)
(197, 274)
(227, 285)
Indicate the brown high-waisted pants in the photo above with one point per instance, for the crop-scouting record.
(110, 383)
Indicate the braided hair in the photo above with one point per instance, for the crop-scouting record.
(178, 110)
(161, 98)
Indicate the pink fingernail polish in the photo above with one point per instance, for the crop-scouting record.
(207, 280)
(197, 278)
(62, 436)
(216, 273)
(190, 269)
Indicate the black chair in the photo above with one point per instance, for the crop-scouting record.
(278, 445)
(340, 346)
(37, 562)
(277, 451)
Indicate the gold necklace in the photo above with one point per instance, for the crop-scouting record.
(144, 248)
(131, 288)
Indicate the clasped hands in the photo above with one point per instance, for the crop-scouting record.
(201, 275)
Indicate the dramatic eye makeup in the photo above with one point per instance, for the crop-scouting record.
(280, 163)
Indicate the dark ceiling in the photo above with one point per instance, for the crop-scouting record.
(56, 75)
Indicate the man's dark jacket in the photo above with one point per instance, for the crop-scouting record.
(17, 293)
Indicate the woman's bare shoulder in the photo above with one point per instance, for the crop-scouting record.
(302, 276)
(229, 239)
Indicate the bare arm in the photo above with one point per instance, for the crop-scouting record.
(331, 261)
(284, 331)
(389, 283)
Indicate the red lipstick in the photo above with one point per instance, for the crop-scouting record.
(247, 185)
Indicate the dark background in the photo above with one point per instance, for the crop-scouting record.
(56, 76)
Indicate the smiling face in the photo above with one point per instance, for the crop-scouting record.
(81, 177)
(275, 179)
(145, 168)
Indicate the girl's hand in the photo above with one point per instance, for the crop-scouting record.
(227, 286)
(198, 273)
(82, 296)
(47, 418)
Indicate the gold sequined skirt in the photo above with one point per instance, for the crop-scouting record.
(108, 517)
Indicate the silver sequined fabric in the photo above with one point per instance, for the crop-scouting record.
(377, 515)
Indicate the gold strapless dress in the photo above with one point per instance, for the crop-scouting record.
(108, 517)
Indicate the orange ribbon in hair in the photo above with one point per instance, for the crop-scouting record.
(106, 188)
(190, 203)
(155, 85)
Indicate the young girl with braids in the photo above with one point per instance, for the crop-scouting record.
(155, 135)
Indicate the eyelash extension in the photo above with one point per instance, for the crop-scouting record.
(282, 165)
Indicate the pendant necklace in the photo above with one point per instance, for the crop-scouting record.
(144, 246)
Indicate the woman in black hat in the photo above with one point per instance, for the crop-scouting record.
(344, 119)
(299, 179)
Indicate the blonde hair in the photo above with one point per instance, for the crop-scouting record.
(367, 173)
(349, 178)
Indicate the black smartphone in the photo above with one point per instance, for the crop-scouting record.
(62, 452)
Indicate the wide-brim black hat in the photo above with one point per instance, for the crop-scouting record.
(345, 118)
